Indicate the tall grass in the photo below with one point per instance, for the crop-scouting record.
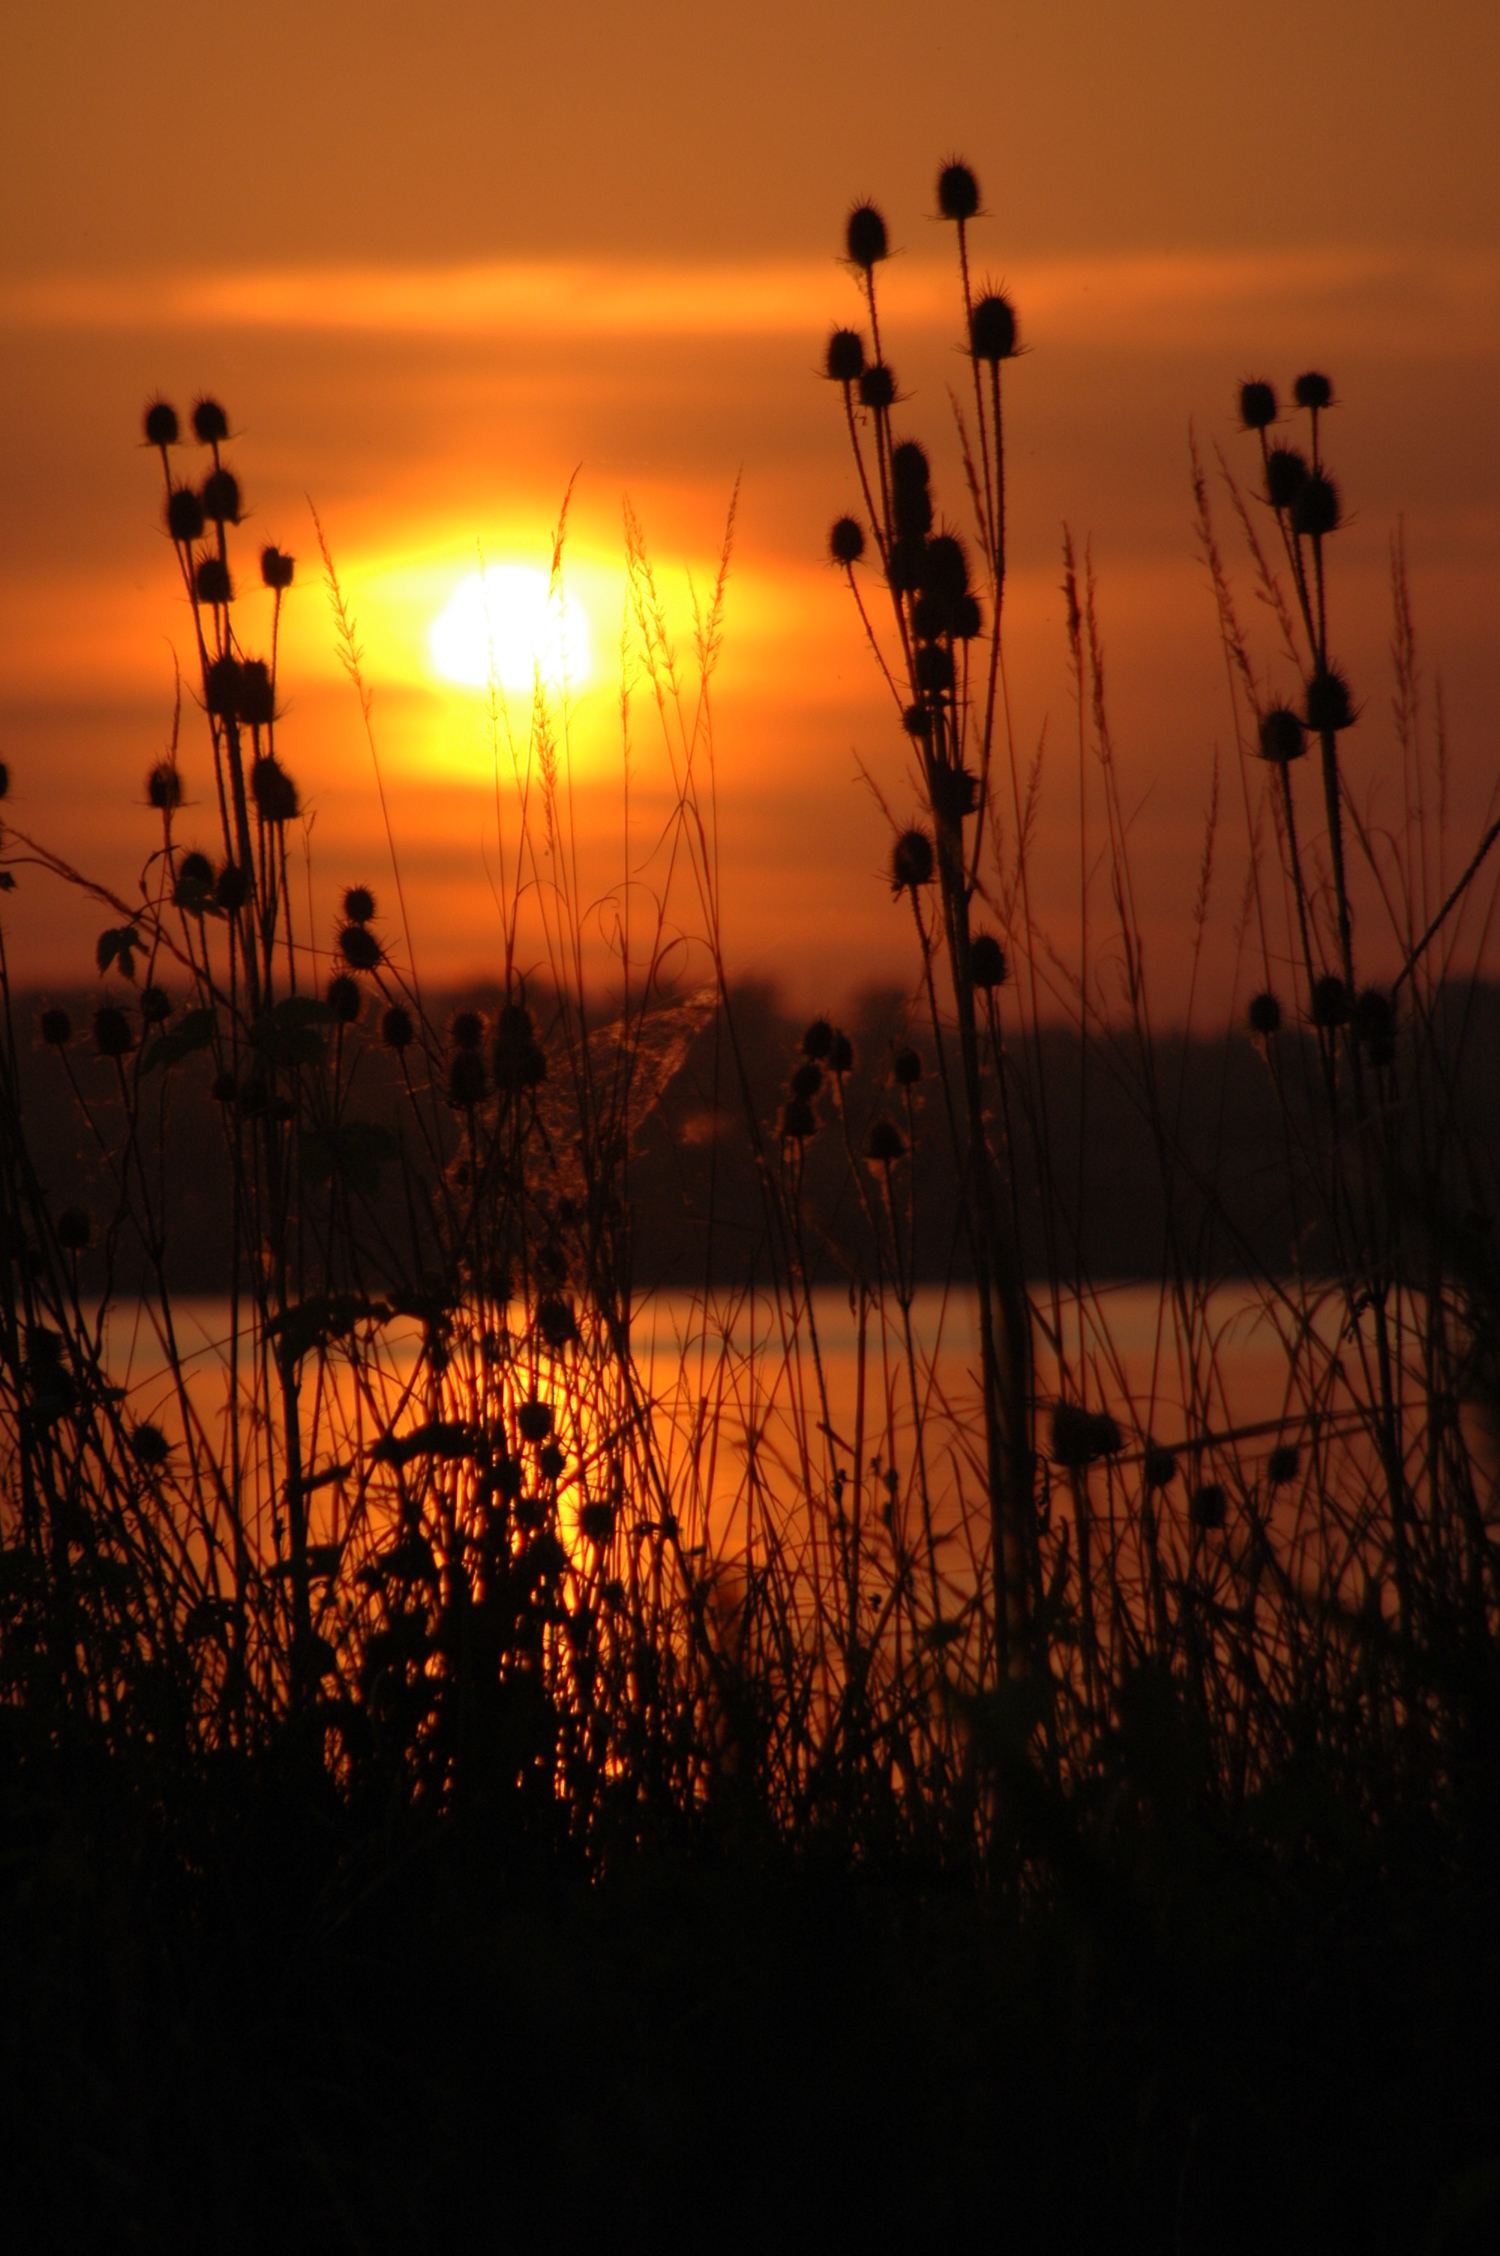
(437, 1534)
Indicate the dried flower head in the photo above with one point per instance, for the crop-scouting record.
(1257, 405)
(886, 1143)
(840, 1053)
(257, 697)
(160, 424)
(1283, 1464)
(1265, 1015)
(396, 1028)
(1330, 704)
(232, 887)
(1080, 1437)
(359, 904)
(912, 861)
(1330, 1001)
(945, 567)
(807, 1080)
(210, 423)
(1210, 1507)
(276, 567)
(844, 358)
(906, 1068)
(1313, 390)
(957, 190)
(865, 238)
(344, 999)
(1315, 507)
(968, 619)
(150, 1446)
(596, 1522)
(912, 509)
(550, 1461)
(56, 1028)
(987, 965)
(274, 792)
(156, 1005)
(359, 947)
(1158, 1467)
(917, 722)
(909, 465)
(466, 1030)
(213, 583)
(467, 1082)
(184, 515)
(817, 1041)
(164, 788)
(846, 542)
(112, 1035)
(1282, 736)
(221, 497)
(933, 666)
(877, 386)
(1286, 472)
(798, 1121)
(992, 328)
(535, 1420)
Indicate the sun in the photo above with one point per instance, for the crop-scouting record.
(506, 623)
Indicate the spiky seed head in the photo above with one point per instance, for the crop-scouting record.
(1081, 1437)
(807, 1080)
(184, 515)
(992, 328)
(257, 696)
(344, 998)
(1313, 389)
(840, 1053)
(74, 1229)
(933, 667)
(213, 583)
(912, 509)
(1158, 1467)
(909, 465)
(886, 1143)
(1286, 473)
(359, 947)
(160, 424)
(596, 1523)
(359, 904)
(987, 963)
(798, 1121)
(877, 386)
(274, 792)
(550, 1461)
(1210, 1507)
(56, 1028)
(865, 238)
(912, 861)
(164, 788)
(906, 1068)
(817, 1041)
(1330, 703)
(1283, 1464)
(156, 1005)
(1257, 405)
(556, 1322)
(535, 1420)
(514, 1027)
(945, 567)
(224, 686)
(1264, 1015)
(968, 619)
(467, 1084)
(955, 793)
(846, 542)
(150, 1446)
(931, 616)
(276, 567)
(210, 423)
(1374, 1017)
(1282, 736)
(232, 887)
(396, 1029)
(467, 1030)
(221, 497)
(1330, 1001)
(112, 1035)
(917, 722)
(957, 191)
(4, 780)
(1315, 507)
(844, 358)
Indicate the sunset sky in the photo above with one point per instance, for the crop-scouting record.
(434, 259)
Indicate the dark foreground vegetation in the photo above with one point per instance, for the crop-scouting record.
(462, 1784)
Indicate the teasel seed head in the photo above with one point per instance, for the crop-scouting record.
(865, 237)
(184, 515)
(221, 497)
(468, 1084)
(535, 1420)
(344, 999)
(909, 466)
(112, 1035)
(550, 1461)
(987, 965)
(992, 328)
(1264, 1015)
(807, 1080)
(213, 583)
(844, 358)
(917, 722)
(210, 423)
(1257, 405)
(912, 861)
(466, 1031)
(846, 542)
(359, 947)
(55, 1028)
(933, 667)
(1315, 507)
(276, 567)
(1330, 704)
(840, 1053)
(359, 904)
(817, 1041)
(1210, 1507)
(274, 792)
(1313, 390)
(798, 1121)
(945, 567)
(156, 1005)
(396, 1028)
(223, 1088)
(150, 1446)
(1282, 736)
(231, 887)
(877, 386)
(257, 697)
(164, 788)
(1286, 474)
(885, 1144)
(1330, 1001)
(1158, 1467)
(1283, 1464)
(160, 424)
(906, 1068)
(957, 190)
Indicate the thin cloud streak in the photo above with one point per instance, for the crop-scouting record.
(1400, 303)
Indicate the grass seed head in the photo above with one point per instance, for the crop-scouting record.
(844, 358)
(865, 237)
(957, 190)
(1257, 405)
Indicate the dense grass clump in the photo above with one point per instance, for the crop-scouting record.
(467, 1769)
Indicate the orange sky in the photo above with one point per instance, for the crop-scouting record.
(435, 259)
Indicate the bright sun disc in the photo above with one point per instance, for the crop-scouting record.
(506, 622)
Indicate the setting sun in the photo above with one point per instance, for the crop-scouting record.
(506, 622)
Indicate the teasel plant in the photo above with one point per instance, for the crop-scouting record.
(934, 627)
